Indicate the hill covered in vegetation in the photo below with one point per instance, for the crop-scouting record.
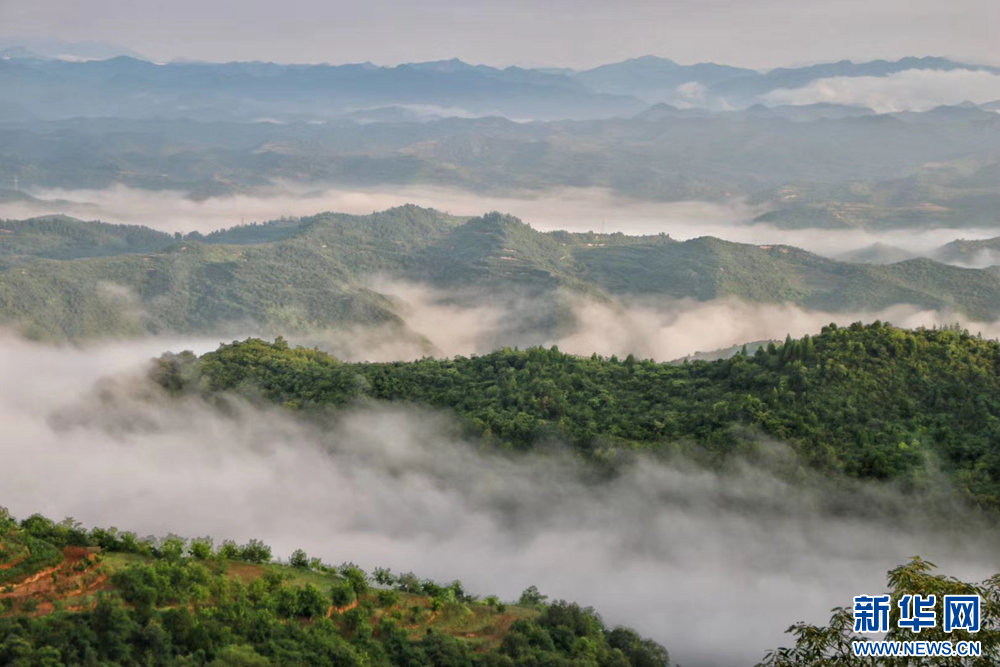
(62, 237)
(66, 279)
(953, 193)
(982, 252)
(70, 596)
(871, 402)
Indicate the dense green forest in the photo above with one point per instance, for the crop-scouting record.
(71, 596)
(66, 279)
(871, 402)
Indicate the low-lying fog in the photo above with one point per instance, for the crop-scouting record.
(573, 209)
(684, 556)
(663, 330)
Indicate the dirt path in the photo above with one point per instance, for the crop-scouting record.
(341, 610)
(14, 563)
(30, 580)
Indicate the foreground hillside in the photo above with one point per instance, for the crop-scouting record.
(62, 278)
(69, 596)
(871, 402)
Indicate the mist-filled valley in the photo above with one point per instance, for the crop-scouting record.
(501, 353)
(655, 548)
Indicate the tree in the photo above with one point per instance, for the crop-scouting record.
(357, 578)
(7, 522)
(299, 559)
(383, 576)
(201, 548)
(531, 597)
(229, 550)
(172, 547)
(640, 652)
(831, 645)
(409, 583)
(255, 551)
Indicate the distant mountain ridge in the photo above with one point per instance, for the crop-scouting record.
(797, 77)
(132, 88)
(653, 78)
(127, 86)
(60, 49)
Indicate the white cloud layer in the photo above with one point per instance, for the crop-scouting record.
(909, 90)
(444, 324)
(577, 209)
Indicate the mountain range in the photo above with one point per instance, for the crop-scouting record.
(129, 87)
(68, 279)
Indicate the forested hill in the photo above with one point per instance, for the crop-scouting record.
(70, 596)
(66, 279)
(62, 237)
(868, 401)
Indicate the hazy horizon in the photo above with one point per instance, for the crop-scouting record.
(13, 40)
(562, 34)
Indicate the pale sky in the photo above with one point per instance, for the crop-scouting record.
(577, 33)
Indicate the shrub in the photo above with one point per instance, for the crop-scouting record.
(201, 548)
(311, 602)
(388, 598)
(342, 594)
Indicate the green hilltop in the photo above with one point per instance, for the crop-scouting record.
(63, 237)
(868, 402)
